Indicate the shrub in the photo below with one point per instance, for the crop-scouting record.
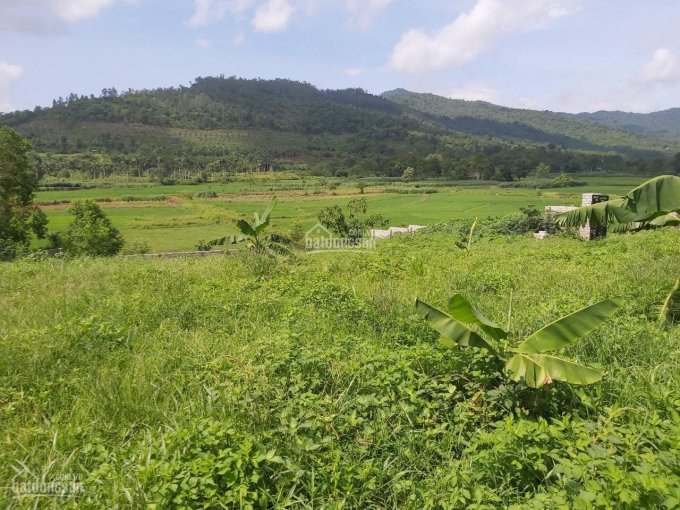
(90, 232)
(206, 194)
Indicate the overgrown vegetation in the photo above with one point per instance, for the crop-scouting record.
(352, 222)
(313, 382)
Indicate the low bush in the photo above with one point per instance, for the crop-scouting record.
(206, 194)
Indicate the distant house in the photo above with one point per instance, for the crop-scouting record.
(383, 234)
(558, 209)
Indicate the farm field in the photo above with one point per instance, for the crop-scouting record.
(312, 382)
(173, 218)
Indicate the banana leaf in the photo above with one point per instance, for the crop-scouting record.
(462, 310)
(659, 194)
(453, 333)
(596, 215)
(540, 369)
(263, 222)
(654, 198)
(246, 228)
(569, 329)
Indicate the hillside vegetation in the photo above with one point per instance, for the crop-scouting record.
(222, 125)
(664, 124)
(574, 132)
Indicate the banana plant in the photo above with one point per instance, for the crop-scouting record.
(254, 234)
(655, 203)
(462, 325)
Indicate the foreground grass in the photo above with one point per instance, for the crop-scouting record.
(311, 382)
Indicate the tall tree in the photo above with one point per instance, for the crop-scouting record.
(18, 216)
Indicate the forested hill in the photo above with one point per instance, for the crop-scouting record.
(663, 124)
(571, 131)
(231, 124)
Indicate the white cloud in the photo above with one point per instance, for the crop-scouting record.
(664, 67)
(46, 15)
(273, 16)
(74, 10)
(474, 93)
(211, 11)
(364, 11)
(9, 73)
(473, 32)
(354, 71)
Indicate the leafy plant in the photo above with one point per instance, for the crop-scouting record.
(350, 224)
(466, 245)
(655, 203)
(91, 232)
(463, 325)
(253, 234)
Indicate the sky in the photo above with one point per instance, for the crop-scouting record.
(560, 55)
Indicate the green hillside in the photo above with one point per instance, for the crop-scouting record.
(482, 118)
(220, 126)
(663, 124)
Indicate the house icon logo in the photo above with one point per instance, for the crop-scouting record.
(318, 238)
(318, 231)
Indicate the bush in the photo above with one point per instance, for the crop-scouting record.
(206, 194)
(90, 232)
(142, 198)
(529, 219)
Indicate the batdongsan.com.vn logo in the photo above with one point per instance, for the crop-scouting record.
(63, 486)
(320, 239)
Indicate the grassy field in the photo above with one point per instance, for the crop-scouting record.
(311, 382)
(173, 219)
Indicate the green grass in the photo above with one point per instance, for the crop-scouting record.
(311, 382)
(184, 221)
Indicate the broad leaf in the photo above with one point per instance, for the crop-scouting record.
(246, 228)
(462, 310)
(666, 220)
(571, 328)
(540, 369)
(522, 367)
(659, 194)
(656, 197)
(262, 222)
(453, 332)
(596, 215)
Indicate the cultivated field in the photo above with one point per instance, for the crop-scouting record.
(173, 218)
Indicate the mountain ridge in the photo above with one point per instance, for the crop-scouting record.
(230, 122)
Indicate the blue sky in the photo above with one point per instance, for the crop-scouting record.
(563, 55)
